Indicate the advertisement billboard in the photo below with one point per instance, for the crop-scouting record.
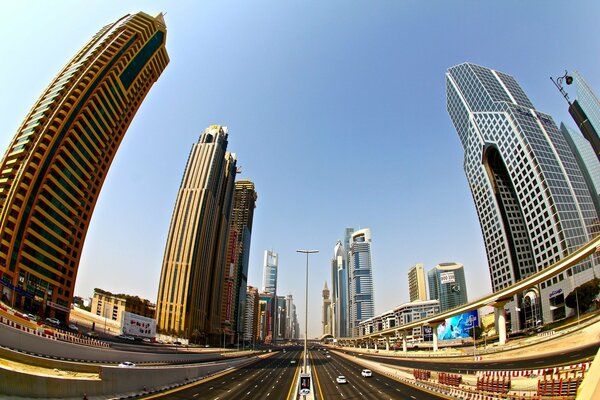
(137, 325)
(458, 326)
(447, 277)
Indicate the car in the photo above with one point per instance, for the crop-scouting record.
(146, 340)
(32, 317)
(328, 356)
(92, 334)
(73, 327)
(126, 364)
(341, 379)
(52, 321)
(366, 373)
(293, 362)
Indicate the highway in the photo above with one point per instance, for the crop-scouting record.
(271, 378)
(327, 369)
(562, 357)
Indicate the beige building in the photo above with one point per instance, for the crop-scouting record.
(112, 306)
(416, 283)
(192, 278)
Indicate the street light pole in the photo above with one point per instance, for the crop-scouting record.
(307, 252)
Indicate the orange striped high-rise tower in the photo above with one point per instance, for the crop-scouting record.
(54, 167)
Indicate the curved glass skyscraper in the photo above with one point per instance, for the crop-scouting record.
(54, 167)
(533, 203)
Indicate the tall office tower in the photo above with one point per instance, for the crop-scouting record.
(280, 318)
(191, 280)
(361, 279)
(416, 283)
(270, 272)
(250, 323)
(295, 323)
(447, 284)
(271, 261)
(531, 198)
(587, 106)
(289, 317)
(266, 319)
(326, 315)
(55, 165)
(238, 253)
(339, 299)
(587, 160)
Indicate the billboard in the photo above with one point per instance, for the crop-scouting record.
(447, 277)
(458, 326)
(138, 325)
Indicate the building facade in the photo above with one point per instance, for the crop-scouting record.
(238, 253)
(447, 284)
(55, 165)
(587, 160)
(340, 286)
(532, 201)
(250, 324)
(113, 306)
(416, 283)
(270, 271)
(588, 102)
(191, 281)
(403, 314)
(360, 270)
(326, 312)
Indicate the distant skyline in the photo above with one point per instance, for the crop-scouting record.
(316, 96)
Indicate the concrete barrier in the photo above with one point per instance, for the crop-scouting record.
(112, 381)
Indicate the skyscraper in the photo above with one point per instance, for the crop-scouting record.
(55, 165)
(361, 279)
(238, 253)
(339, 298)
(447, 284)
(416, 283)
(326, 313)
(270, 272)
(191, 281)
(587, 160)
(533, 204)
(587, 105)
(250, 323)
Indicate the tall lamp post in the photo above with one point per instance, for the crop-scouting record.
(307, 252)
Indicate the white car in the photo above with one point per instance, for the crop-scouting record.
(293, 362)
(127, 364)
(366, 373)
(341, 379)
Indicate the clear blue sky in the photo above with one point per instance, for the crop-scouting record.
(336, 110)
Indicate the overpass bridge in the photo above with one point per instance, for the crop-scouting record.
(497, 300)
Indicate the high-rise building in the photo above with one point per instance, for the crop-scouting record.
(326, 314)
(191, 281)
(250, 323)
(270, 272)
(55, 165)
(280, 318)
(533, 204)
(361, 279)
(447, 284)
(587, 106)
(339, 298)
(238, 253)
(266, 317)
(587, 160)
(416, 283)
(289, 317)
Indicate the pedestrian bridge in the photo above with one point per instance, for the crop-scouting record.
(497, 300)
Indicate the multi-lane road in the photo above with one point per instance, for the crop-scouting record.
(328, 366)
(275, 378)
(272, 378)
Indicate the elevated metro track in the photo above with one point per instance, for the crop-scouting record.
(497, 299)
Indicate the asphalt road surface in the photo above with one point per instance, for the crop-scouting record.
(271, 378)
(380, 387)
